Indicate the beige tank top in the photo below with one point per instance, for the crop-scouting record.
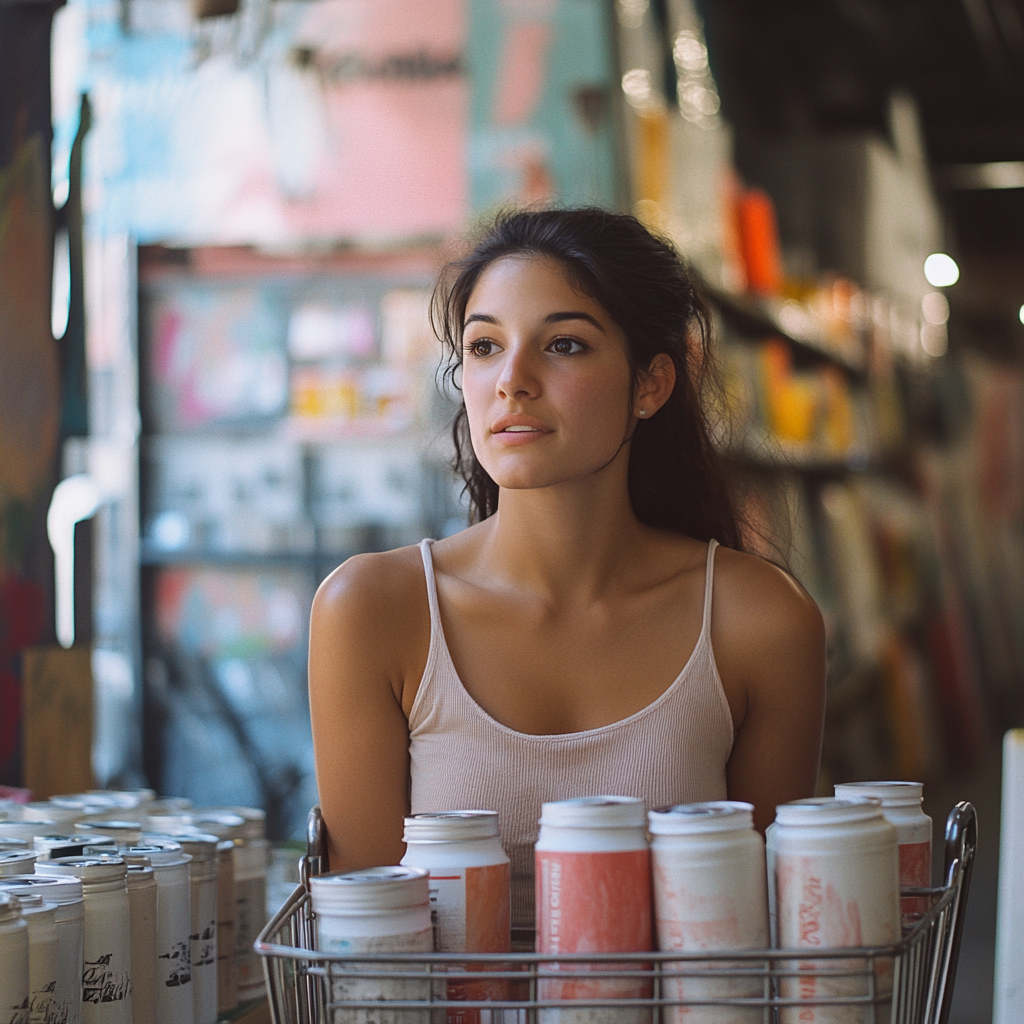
(673, 751)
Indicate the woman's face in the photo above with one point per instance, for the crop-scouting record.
(545, 376)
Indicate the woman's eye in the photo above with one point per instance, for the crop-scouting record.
(480, 347)
(566, 346)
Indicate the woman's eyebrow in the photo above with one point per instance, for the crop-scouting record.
(551, 318)
(574, 314)
(484, 318)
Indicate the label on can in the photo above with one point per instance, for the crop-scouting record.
(593, 902)
(470, 907)
(916, 864)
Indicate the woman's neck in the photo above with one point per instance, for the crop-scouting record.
(573, 538)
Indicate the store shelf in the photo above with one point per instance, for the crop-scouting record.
(758, 316)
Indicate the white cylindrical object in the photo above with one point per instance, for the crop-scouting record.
(61, 844)
(173, 928)
(250, 915)
(43, 964)
(202, 848)
(124, 833)
(65, 893)
(26, 829)
(1009, 975)
(377, 910)
(710, 894)
(837, 874)
(107, 955)
(227, 982)
(902, 807)
(17, 862)
(469, 878)
(470, 892)
(143, 910)
(593, 891)
(14, 977)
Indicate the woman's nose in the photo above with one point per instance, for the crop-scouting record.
(518, 375)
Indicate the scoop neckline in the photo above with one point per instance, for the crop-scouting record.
(445, 653)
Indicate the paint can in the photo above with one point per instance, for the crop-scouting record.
(837, 878)
(593, 892)
(710, 895)
(43, 965)
(142, 908)
(65, 894)
(107, 954)
(373, 911)
(470, 880)
(17, 862)
(14, 978)
(902, 806)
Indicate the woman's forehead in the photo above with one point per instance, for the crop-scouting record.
(529, 283)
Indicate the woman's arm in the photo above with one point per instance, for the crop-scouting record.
(769, 642)
(364, 632)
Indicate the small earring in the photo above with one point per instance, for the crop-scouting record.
(641, 412)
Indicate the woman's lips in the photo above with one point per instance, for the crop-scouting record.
(518, 434)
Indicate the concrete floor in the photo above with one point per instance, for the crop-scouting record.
(972, 992)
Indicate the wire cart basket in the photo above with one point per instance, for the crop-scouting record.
(909, 982)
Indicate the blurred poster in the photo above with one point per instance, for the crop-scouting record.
(347, 121)
(216, 354)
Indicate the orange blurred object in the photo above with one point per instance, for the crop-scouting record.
(759, 239)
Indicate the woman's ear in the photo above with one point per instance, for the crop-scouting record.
(654, 386)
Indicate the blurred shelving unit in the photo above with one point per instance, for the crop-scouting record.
(881, 469)
(290, 419)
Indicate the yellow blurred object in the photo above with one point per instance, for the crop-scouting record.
(653, 165)
(838, 418)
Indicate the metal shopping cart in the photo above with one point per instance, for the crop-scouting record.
(909, 982)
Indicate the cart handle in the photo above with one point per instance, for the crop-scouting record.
(316, 861)
(961, 842)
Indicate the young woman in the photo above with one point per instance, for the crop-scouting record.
(586, 635)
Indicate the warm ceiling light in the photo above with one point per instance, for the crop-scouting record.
(941, 270)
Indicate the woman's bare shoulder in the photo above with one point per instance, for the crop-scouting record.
(377, 595)
(765, 625)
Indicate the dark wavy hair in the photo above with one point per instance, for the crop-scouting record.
(677, 480)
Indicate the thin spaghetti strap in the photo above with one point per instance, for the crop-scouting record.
(709, 586)
(428, 572)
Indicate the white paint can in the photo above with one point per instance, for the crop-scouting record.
(64, 892)
(142, 909)
(14, 978)
(107, 954)
(43, 965)
(377, 910)
(202, 848)
(173, 927)
(17, 862)
(470, 893)
(837, 876)
(250, 915)
(593, 892)
(710, 895)
(902, 806)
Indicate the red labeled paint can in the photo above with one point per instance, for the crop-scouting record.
(593, 891)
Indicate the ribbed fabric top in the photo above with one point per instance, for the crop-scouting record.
(673, 751)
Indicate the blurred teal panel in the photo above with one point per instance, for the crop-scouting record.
(567, 138)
